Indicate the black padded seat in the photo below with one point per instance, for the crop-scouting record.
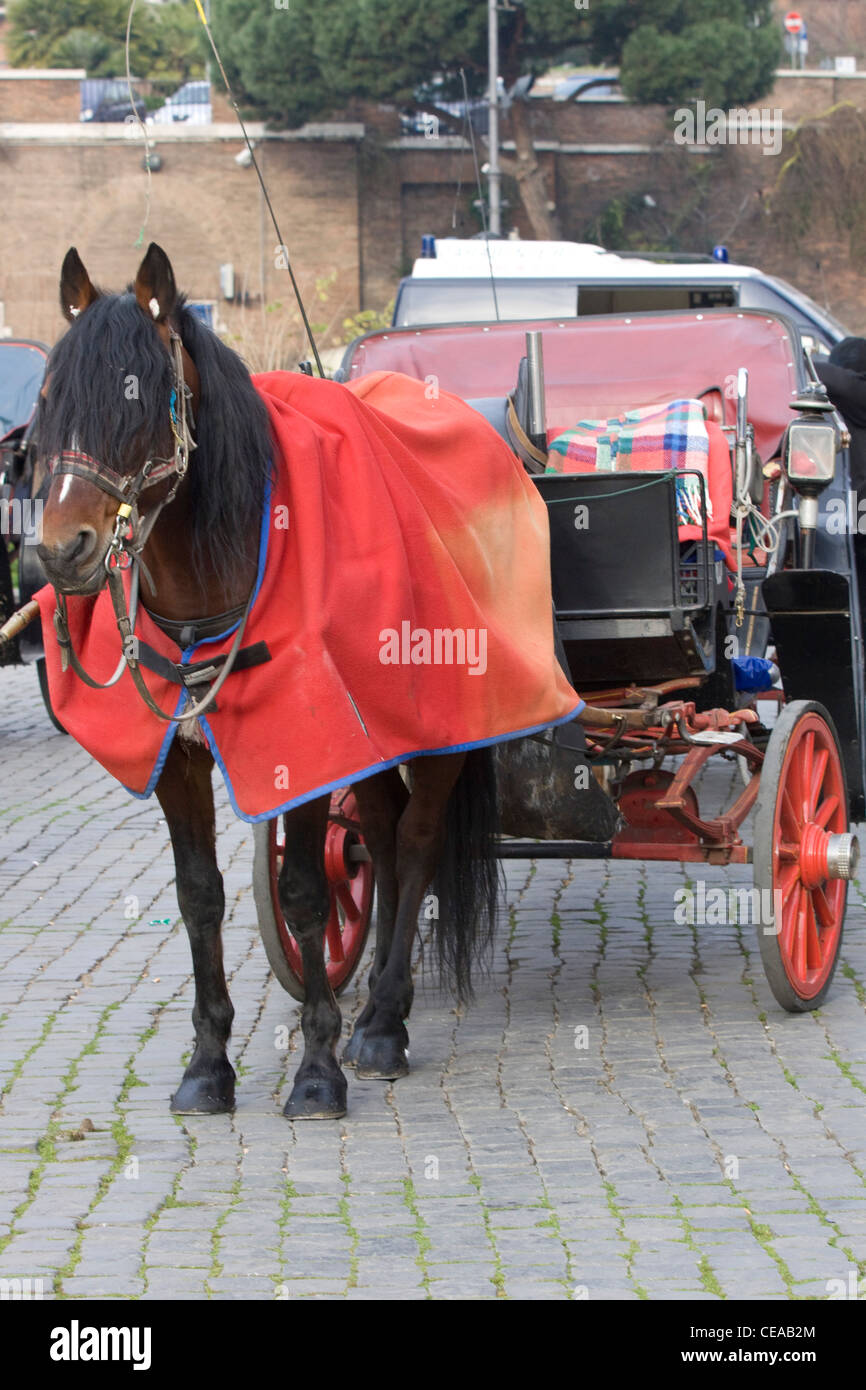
(495, 411)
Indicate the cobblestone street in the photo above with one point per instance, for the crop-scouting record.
(624, 1113)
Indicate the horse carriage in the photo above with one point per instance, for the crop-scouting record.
(22, 368)
(673, 625)
(677, 482)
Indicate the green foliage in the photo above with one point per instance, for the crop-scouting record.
(166, 44)
(270, 60)
(671, 51)
(306, 61)
(297, 63)
(367, 321)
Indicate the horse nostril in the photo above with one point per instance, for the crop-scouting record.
(81, 547)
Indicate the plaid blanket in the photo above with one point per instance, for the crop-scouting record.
(655, 438)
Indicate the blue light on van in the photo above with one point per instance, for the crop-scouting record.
(428, 247)
(720, 253)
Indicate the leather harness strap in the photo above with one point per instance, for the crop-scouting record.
(533, 459)
(119, 485)
(199, 672)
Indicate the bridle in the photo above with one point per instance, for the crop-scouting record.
(129, 537)
(131, 533)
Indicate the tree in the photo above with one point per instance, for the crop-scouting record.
(166, 43)
(674, 51)
(296, 63)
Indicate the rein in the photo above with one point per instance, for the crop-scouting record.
(130, 536)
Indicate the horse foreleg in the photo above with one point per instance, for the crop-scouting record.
(420, 837)
(186, 796)
(381, 802)
(319, 1090)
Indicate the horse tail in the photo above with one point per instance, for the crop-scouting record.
(467, 880)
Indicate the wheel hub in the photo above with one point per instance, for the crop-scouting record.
(824, 855)
(339, 843)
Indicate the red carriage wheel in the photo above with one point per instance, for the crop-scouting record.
(803, 855)
(350, 880)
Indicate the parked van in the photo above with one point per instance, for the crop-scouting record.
(474, 281)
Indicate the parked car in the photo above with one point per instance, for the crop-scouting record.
(109, 101)
(190, 103)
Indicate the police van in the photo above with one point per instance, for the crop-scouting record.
(455, 281)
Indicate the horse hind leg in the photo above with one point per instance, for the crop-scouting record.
(185, 794)
(383, 1053)
(319, 1089)
(381, 802)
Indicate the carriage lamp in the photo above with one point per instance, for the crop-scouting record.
(810, 463)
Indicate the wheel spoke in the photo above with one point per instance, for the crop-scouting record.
(826, 811)
(799, 954)
(805, 772)
(817, 780)
(333, 935)
(789, 924)
(813, 941)
(794, 784)
(788, 853)
(347, 902)
(823, 909)
(788, 818)
(789, 878)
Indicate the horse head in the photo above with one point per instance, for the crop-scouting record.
(112, 428)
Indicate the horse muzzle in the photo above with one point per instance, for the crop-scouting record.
(75, 565)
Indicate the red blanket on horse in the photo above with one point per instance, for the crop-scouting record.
(403, 593)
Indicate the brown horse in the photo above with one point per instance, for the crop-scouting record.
(134, 384)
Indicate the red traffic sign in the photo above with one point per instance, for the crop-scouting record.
(793, 22)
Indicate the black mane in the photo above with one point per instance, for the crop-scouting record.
(93, 406)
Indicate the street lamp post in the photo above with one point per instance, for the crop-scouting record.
(494, 177)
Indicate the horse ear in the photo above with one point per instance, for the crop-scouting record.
(76, 291)
(154, 285)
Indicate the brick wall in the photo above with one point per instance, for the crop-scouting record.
(40, 96)
(205, 211)
(354, 213)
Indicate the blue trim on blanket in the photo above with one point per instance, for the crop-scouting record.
(366, 772)
(186, 656)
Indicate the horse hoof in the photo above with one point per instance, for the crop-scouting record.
(352, 1050)
(382, 1059)
(204, 1095)
(317, 1098)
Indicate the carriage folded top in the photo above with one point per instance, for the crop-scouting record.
(403, 594)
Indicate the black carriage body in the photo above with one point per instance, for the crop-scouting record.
(816, 623)
(22, 366)
(632, 604)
